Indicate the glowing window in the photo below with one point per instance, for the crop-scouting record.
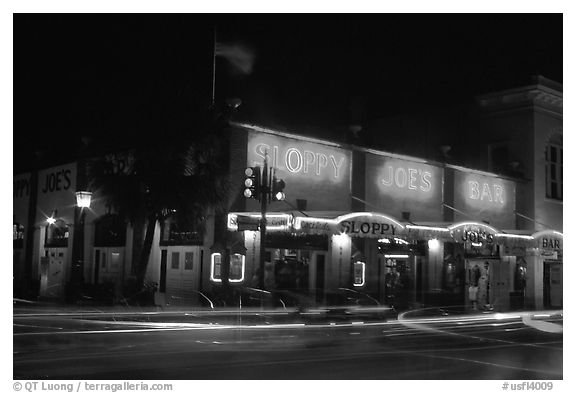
(237, 266)
(216, 267)
(359, 274)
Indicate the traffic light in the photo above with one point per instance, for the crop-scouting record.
(252, 182)
(278, 190)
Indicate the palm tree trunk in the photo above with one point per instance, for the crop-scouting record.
(146, 249)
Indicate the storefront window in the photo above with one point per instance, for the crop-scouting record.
(56, 234)
(175, 233)
(359, 274)
(216, 267)
(237, 267)
(18, 231)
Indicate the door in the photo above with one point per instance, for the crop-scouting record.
(500, 284)
(478, 286)
(182, 270)
(53, 272)
(108, 269)
(108, 265)
(397, 281)
(554, 284)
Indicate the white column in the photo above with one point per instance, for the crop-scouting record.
(434, 266)
(534, 282)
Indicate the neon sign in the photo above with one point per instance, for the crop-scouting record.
(397, 184)
(367, 228)
(549, 240)
(406, 178)
(485, 192)
(274, 221)
(300, 160)
(368, 225)
(475, 233)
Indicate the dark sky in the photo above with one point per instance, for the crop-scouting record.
(118, 77)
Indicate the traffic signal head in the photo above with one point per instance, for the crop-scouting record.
(252, 182)
(278, 190)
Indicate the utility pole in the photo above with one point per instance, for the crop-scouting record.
(264, 192)
(261, 184)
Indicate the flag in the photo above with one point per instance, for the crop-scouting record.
(238, 55)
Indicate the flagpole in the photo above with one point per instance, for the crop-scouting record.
(214, 69)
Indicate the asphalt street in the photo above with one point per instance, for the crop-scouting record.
(189, 345)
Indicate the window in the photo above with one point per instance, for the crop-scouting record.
(18, 231)
(215, 267)
(188, 260)
(174, 233)
(115, 261)
(103, 260)
(237, 266)
(175, 260)
(554, 169)
(499, 157)
(56, 234)
(359, 274)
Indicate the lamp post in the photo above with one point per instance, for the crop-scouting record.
(83, 199)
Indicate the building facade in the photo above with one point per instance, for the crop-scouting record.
(405, 230)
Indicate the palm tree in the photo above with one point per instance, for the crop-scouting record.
(185, 174)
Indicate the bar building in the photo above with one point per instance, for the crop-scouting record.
(408, 231)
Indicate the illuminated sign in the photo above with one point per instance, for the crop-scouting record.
(408, 178)
(485, 192)
(549, 240)
(315, 225)
(316, 172)
(405, 178)
(310, 160)
(475, 233)
(395, 185)
(248, 221)
(484, 198)
(367, 228)
(369, 225)
(362, 224)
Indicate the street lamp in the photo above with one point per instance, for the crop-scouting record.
(83, 199)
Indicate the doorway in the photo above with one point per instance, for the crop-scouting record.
(182, 268)
(108, 264)
(53, 272)
(553, 284)
(397, 281)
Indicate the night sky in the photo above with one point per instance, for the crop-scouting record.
(119, 77)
